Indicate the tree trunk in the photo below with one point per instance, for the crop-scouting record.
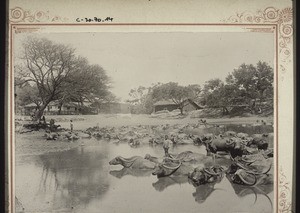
(40, 111)
(253, 107)
(181, 110)
(59, 108)
(225, 111)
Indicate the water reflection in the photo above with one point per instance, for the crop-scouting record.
(164, 182)
(81, 180)
(204, 191)
(130, 172)
(76, 176)
(242, 191)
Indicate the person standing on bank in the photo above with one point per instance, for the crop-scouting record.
(44, 120)
(52, 125)
(71, 125)
(166, 145)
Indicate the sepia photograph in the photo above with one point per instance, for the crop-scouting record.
(179, 121)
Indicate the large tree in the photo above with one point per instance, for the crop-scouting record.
(87, 83)
(137, 95)
(216, 94)
(58, 74)
(244, 84)
(141, 100)
(252, 82)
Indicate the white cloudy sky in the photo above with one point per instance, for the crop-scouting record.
(133, 59)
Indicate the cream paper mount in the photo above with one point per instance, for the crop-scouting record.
(269, 19)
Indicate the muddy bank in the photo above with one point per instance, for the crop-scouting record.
(34, 143)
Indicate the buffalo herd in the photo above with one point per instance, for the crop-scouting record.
(245, 160)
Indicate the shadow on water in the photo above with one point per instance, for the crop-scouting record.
(204, 191)
(78, 176)
(162, 183)
(263, 190)
(130, 172)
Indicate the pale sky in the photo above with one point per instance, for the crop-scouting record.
(134, 59)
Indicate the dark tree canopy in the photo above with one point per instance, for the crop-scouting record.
(241, 87)
(58, 74)
(253, 82)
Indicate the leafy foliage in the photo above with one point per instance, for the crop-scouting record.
(58, 74)
(243, 87)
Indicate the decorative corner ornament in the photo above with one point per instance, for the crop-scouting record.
(282, 18)
(285, 205)
(19, 15)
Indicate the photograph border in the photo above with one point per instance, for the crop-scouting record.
(21, 20)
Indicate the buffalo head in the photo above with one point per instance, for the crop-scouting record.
(163, 170)
(197, 141)
(198, 176)
(115, 161)
(260, 143)
(202, 175)
(159, 171)
(244, 178)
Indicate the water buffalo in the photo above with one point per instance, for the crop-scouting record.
(188, 156)
(133, 142)
(259, 142)
(135, 162)
(51, 136)
(241, 176)
(244, 190)
(151, 158)
(251, 172)
(242, 135)
(156, 140)
(172, 168)
(202, 139)
(257, 189)
(234, 146)
(255, 164)
(72, 136)
(202, 175)
(230, 133)
(181, 138)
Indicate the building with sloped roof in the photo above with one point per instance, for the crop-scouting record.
(170, 105)
(165, 105)
(69, 108)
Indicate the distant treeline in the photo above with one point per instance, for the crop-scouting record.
(247, 86)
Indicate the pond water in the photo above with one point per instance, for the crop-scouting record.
(81, 180)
